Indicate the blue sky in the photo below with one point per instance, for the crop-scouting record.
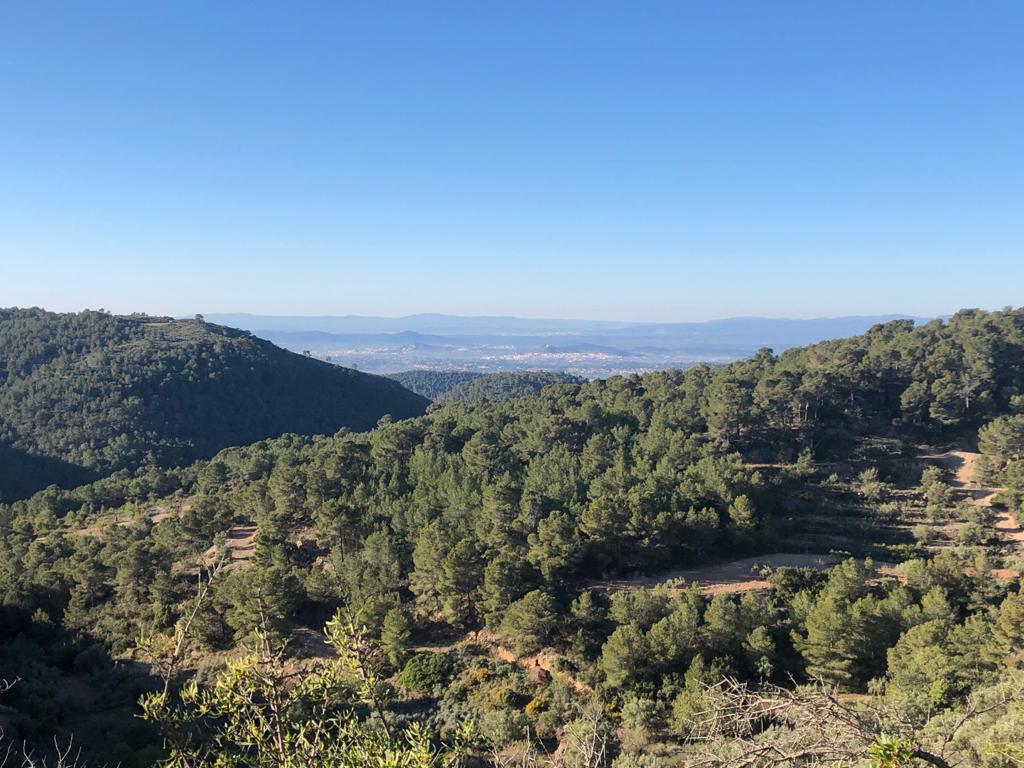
(614, 160)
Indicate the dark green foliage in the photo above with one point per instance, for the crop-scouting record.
(444, 387)
(530, 622)
(433, 384)
(83, 395)
(503, 386)
(67, 684)
(1002, 440)
(424, 672)
(471, 507)
(1002, 443)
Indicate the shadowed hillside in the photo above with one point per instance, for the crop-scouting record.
(504, 386)
(469, 387)
(433, 384)
(85, 394)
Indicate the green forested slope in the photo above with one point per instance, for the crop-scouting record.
(507, 516)
(467, 387)
(88, 393)
(432, 384)
(504, 386)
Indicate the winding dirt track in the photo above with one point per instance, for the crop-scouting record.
(963, 465)
(738, 575)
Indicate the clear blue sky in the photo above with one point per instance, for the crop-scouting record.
(622, 160)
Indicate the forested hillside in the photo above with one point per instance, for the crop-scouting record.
(504, 386)
(444, 387)
(82, 395)
(432, 384)
(544, 576)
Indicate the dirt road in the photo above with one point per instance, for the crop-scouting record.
(963, 465)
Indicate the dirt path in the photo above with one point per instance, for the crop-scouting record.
(539, 667)
(963, 465)
(241, 541)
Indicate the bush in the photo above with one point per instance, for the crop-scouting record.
(973, 535)
(902, 552)
(635, 760)
(503, 726)
(924, 535)
(92, 659)
(869, 486)
(424, 672)
(787, 580)
(641, 718)
(889, 511)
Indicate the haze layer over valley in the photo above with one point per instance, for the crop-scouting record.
(587, 348)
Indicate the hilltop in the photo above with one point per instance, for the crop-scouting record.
(86, 394)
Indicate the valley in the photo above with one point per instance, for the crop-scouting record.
(511, 385)
(588, 349)
(836, 515)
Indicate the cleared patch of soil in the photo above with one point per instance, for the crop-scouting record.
(240, 542)
(539, 667)
(963, 465)
(156, 514)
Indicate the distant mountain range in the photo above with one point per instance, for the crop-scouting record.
(589, 348)
(423, 323)
(486, 325)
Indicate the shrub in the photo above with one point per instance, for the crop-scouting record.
(973, 535)
(924, 535)
(424, 672)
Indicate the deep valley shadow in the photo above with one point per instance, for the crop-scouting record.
(23, 474)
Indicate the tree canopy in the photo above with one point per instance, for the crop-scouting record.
(493, 562)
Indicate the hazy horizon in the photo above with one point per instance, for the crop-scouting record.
(486, 344)
(513, 316)
(635, 321)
